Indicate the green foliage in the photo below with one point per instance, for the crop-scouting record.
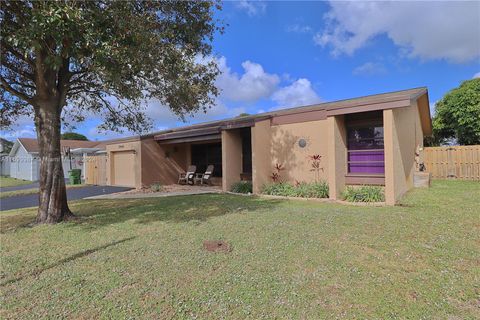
(73, 136)
(363, 194)
(301, 190)
(457, 115)
(156, 187)
(242, 187)
(6, 145)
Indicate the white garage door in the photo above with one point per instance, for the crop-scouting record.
(124, 168)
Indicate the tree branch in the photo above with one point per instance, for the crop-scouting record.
(4, 84)
(17, 54)
(12, 68)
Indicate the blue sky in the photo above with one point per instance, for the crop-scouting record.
(286, 54)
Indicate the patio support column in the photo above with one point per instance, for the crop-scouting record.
(261, 154)
(337, 156)
(231, 158)
(389, 149)
(400, 142)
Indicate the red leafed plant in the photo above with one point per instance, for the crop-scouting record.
(276, 174)
(316, 165)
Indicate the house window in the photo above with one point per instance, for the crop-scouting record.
(365, 147)
(246, 150)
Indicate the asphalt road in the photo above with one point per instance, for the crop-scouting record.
(31, 200)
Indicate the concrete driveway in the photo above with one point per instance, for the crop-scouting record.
(31, 200)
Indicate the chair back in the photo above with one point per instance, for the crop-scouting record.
(208, 171)
(191, 170)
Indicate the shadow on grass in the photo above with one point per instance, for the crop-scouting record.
(170, 209)
(76, 256)
(99, 213)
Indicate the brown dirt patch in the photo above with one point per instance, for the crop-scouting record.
(216, 246)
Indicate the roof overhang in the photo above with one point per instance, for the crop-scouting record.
(203, 134)
(424, 110)
(368, 107)
(84, 150)
(206, 133)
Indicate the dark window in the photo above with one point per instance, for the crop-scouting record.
(205, 154)
(365, 146)
(246, 150)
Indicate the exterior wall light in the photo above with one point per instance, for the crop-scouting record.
(302, 143)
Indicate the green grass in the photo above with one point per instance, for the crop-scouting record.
(12, 182)
(7, 194)
(290, 259)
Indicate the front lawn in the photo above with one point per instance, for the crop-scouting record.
(23, 192)
(290, 259)
(12, 182)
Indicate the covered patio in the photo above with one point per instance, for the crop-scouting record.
(227, 149)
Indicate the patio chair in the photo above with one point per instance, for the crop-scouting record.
(187, 177)
(204, 177)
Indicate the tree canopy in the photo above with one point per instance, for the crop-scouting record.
(457, 115)
(106, 58)
(70, 59)
(73, 136)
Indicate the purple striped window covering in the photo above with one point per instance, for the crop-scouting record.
(365, 150)
(369, 162)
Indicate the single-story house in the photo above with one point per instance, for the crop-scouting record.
(369, 140)
(24, 162)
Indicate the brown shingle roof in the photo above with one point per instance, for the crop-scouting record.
(31, 145)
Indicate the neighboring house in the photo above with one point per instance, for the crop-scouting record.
(24, 162)
(363, 141)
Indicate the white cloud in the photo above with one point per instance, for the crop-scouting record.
(299, 93)
(252, 8)
(23, 127)
(238, 91)
(20, 131)
(298, 28)
(370, 69)
(428, 30)
(252, 85)
(476, 75)
(164, 118)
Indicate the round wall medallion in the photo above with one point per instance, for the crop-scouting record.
(302, 143)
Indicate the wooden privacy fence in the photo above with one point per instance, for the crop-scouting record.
(460, 162)
(96, 170)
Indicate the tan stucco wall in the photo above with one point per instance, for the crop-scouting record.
(402, 134)
(261, 154)
(337, 150)
(231, 158)
(278, 144)
(125, 146)
(294, 159)
(157, 167)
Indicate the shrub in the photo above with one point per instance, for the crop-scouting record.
(363, 194)
(301, 190)
(156, 187)
(242, 187)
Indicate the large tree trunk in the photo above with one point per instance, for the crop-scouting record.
(53, 205)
